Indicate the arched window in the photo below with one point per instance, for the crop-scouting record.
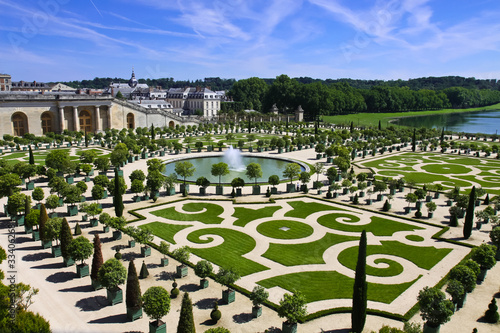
(130, 121)
(85, 121)
(171, 124)
(47, 123)
(20, 123)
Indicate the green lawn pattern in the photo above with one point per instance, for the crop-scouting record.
(210, 216)
(165, 230)
(333, 286)
(246, 215)
(303, 209)
(297, 229)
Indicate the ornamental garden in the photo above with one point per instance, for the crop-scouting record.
(295, 249)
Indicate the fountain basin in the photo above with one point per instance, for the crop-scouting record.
(203, 164)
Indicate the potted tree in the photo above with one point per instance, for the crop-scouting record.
(112, 274)
(274, 180)
(104, 219)
(117, 223)
(66, 239)
(203, 183)
(184, 169)
(42, 223)
(218, 170)
(133, 296)
(81, 249)
(182, 255)
(144, 236)
(156, 304)
(457, 293)
(431, 207)
(227, 277)
(304, 178)
(203, 269)
(254, 171)
(495, 239)
(292, 170)
(435, 309)
(293, 308)
(164, 248)
(92, 210)
(258, 296)
(484, 255)
(53, 232)
(31, 221)
(38, 196)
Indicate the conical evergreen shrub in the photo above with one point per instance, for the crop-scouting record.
(359, 297)
(44, 217)
(491, 314)
(78, 229)
(144, 271)
(66, 238)
(469, 215)
(186, 321)
(31, 157)
(133, 294)
(387, 206)
(97, 260)
(118, 199)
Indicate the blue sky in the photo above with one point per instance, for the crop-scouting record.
(62, 40)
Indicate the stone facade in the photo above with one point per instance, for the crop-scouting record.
(5, 82)
(42, 113)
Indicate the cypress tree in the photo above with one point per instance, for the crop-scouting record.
(379, 125)
(27, 206)
(442, 135)
(469, 215)
(359, 296)
(144, 271)
(44, 217)
(97, 260)
(65, 238)
(86, 139)
(31, 157)
(487, 200)
(133, 293)
(414, 140)
(153, 134)
(118, 202)
(186, 321)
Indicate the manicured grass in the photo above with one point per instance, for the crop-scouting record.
(305, 253)
(318, 286)
(273, 229)
(303, 209)
(446, 169)
(372, 119)
(378, 226)
(415, 238)
(246, 215)
(209, 216)
(165, 231)
(228, 254)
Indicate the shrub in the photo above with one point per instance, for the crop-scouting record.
(435, 309)
(293, 307)
(464, 275)
(215, 315)
(78, 229)
(133, 295)
(259, 295)
(156, 303)
(491, 314)
(112, 274)
(484, 255)
(203, 269)
(80, 248)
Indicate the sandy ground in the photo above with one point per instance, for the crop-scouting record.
(70, 304)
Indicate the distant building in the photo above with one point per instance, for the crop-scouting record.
(62, 87)
(30, 86)
(5, 82)
(192, 99)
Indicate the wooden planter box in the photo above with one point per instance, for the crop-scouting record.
(117, 235)
(164, 262)
(114, 296)
(28, 229)
(56, 251)
(290, 188)
(146, 251)
(274, 190)
(203, 283)
(105, 229)
(182, 271)
(19, 220)
(256, 311)
(30, 185)
(68, 262)
(430, 329)
(184, 187)
(203, 191)
(155, 327)
(94, 222)
(131, 243)
(219, 190)
(288, 328)
(96, 285)
(72, 210)
(46, 244)
(256, 189)
(35, 235)
(82, 270)
(134, 313)
(228, 296)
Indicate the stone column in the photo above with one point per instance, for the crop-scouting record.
(97, 118)
(76, 121)
(109, 117)
(61, 119)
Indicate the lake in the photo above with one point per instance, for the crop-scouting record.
(487, 122)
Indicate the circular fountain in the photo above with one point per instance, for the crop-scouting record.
(237, 163)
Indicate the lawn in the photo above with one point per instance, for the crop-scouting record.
(284, 239)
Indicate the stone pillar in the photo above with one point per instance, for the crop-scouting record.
(61, 119)
(76, 121)
(110, 119)
(97, 118)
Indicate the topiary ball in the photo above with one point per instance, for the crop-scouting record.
(174, 293)
(215, 315)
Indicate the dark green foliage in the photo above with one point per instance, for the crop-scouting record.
(434, 307)
(464, 275)
(217, 330)
(491, 314)
(487, 200)
(144, 271)
(78, 229)
(418, 214)
(97, 260)
(26, 322)
(156, 302)
(215, 314)
(469, 215)
(133, 297)
(359, 296)
(31, 157)
(65, 238)
(118, 202)
(355, 200)
(414, 141)
(186, 320)
(484, 255)
(174, 292)
(387, 206)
